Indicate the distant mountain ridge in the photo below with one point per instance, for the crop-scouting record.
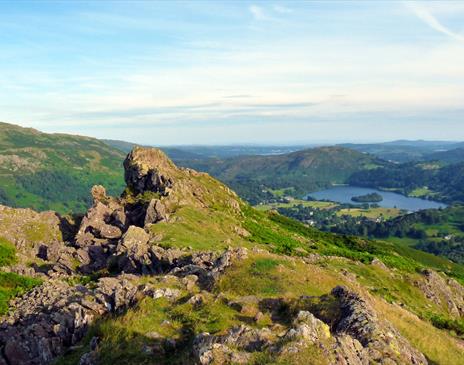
(403, 150)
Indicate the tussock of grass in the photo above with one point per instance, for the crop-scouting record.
(12, 285)
(7, 252)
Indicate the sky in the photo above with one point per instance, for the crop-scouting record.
(231, 72)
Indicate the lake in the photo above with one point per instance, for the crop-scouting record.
(343, 194)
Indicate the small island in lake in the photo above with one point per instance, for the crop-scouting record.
(368, 198)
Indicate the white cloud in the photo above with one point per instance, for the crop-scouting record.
(423, 13)
(258, 12)
(282, 9)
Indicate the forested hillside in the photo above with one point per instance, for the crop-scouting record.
(54, 171)
(428, 180)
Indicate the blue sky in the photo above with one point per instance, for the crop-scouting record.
(234, 71)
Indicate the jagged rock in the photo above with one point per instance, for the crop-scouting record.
(168, 293)
(232, 348)
(134, 251)
(89, 358)
(307, 330)
(208, 268)
(148, 169)
(17, 225)
(94, 227)
(98, 193)
(196, 300)
(437, 289)
(156, 212)
(55, 315)
(190, 282)
(382, 344)
(119, 219)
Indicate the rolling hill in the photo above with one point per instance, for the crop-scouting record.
(298, 172)
(54, 171)
(403, 150)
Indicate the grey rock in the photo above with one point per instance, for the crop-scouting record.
(156, 212)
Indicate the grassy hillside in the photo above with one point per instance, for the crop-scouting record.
(276, 270)
(54, 171)
(255, 177)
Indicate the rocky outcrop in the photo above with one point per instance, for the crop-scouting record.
(355, 337)
(26, 228)
(380, 342)
(134, 254)
(443, 291)
(156, 212)
(148, 169)
(55, 316)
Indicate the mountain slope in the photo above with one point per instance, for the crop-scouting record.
(179, 270)
(301, 172)
(54, 171)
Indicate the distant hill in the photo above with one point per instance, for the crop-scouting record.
(174, 153)
(186, 152)
(54, 171)
(403, 150)
(451, 156)
(423, 179)
(298, 172)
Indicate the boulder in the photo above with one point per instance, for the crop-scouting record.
(99, 194)
(94, 226)
(149, 169)
(134, 251)
(155, 212)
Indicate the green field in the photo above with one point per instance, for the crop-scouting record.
(295, 202)
(371, 213)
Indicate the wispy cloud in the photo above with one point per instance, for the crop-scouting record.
(282, 9)
(269, 13)
(423, 13)
(258, 12)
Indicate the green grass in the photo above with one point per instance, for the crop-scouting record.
(124, 337)
(12, 285)
(292, 203)
(7, 252)
(199, 229)
(268, 275)
(421, 192)
(371, 213)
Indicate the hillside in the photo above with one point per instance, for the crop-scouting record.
(54, 171)
(455, 155)
(179, 270)
(424, 179)
(300, 172)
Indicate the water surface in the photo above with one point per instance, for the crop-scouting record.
(343, 194)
